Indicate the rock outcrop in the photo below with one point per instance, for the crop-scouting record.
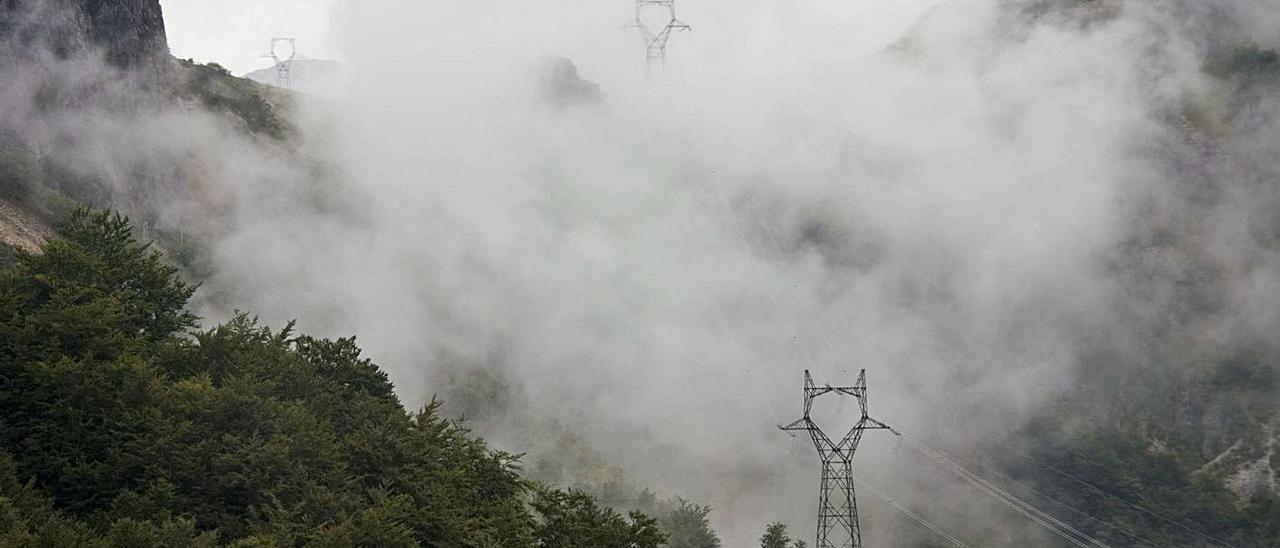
(128, 33)
(559, 85)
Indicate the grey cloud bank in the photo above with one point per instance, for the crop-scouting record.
(940, 193)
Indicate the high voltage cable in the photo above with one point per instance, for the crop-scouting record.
(742, 238)
(1023, 507)
(1020, 509)
(818, 324)
(1031, 512)
(1060, 503)
(720, 307)
(920, 519)
(1135, 506)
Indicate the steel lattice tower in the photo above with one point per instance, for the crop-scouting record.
(655, 42)
(283, 65)
(837, 506)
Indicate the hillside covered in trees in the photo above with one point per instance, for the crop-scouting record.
(125, 424)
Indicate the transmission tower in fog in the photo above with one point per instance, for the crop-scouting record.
(655, 41)
(837, 506)
(283, 64)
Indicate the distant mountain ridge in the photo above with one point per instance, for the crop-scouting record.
(304, 74)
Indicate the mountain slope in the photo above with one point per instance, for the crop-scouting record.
(126, 427)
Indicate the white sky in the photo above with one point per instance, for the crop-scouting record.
(236, 33)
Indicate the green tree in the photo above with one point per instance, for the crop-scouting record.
(572, 519)
(687, 526)
(775, 536)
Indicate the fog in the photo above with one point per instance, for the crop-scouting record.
(928, 190)
(945, 193)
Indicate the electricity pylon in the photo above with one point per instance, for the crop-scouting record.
(655, 42)
(284, 65)
(837, 506)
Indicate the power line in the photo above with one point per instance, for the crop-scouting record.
(720, 306)
(920, 519)
(1044, 519)
(742, 239)
(823, 335)
(1135, 506)
(1104, 523)
(1008, 498)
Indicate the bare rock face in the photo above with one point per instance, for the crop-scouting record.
(128, 33)
(559, 85)
(1251, 466)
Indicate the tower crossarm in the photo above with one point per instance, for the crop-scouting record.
(820, 440)
(877, 425)
(801, 424)
(850, 440)
(849, 391)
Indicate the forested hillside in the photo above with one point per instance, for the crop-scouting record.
(127, 425)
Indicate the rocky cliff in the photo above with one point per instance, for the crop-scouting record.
(128, 33)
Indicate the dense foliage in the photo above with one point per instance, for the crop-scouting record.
(491, 400)
(1133, 492)
(124, 426)
(776, 536)
(27, 181)
(688, 527)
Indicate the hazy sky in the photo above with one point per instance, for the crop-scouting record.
(236, 33)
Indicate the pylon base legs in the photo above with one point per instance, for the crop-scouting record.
(837, 505)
